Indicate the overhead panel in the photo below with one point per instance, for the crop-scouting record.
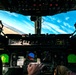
(39, 7)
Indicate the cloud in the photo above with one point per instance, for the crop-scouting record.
(67, 18)
(53, 27)
(66, 24)
(68, 30)
(25, 28)
(14, 14)
(48, 18)
(59, 21)
(29, 26)
(53, 18)
(46, 27)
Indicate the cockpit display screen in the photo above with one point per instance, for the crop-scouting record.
(71, 58)
(4, 58)
(60, 42)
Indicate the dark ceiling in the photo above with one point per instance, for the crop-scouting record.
(38, 7)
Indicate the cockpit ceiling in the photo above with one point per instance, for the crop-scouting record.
(38, 7)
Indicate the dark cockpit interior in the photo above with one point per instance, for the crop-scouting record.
(18, 50)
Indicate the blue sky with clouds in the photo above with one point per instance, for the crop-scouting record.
(57, 24)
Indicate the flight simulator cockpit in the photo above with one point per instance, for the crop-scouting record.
(18, 50)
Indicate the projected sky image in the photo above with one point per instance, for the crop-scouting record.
(57, 24)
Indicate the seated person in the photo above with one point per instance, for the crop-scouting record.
(62, 70)
(34, 69)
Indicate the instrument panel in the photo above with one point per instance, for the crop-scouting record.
(50, 50)
(21, 56)
(47, 40)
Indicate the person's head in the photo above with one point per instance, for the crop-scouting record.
(62, 70)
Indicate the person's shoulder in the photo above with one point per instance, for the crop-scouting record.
(71, 73)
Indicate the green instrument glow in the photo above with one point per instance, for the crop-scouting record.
(71, 58)
(4, 58)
